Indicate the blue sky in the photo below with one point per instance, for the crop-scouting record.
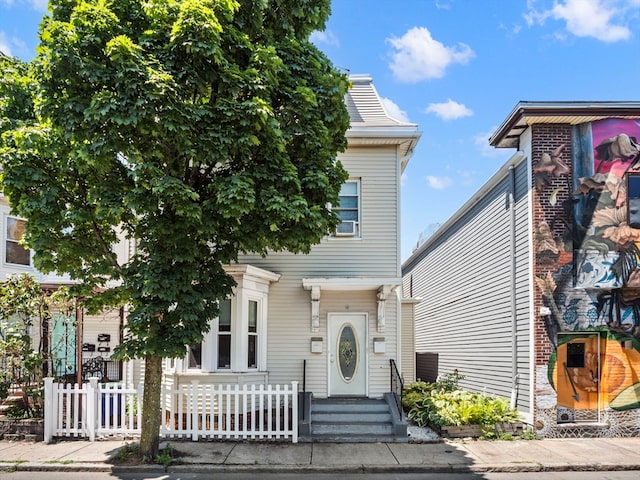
(457, 68)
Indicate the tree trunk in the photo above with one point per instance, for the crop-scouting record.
(151, 414)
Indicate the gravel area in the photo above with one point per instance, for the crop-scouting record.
(422, 434)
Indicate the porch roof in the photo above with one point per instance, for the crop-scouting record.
(350, 283)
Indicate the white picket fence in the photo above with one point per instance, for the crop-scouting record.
(195, 411)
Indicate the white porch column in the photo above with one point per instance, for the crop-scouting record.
(315, 309)
(382, 300)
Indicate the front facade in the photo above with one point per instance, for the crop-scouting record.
(332, 319)
(530, 290)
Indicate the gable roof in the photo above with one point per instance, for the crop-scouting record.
(372, 125)
(572, 113)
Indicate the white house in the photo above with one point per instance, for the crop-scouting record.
(333, 319)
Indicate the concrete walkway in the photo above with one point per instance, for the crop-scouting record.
(596, 454)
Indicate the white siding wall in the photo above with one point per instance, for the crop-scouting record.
(106, 322)
(464, 279)
(407, 343)
(374, 255)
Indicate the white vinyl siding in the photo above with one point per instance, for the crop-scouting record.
(374, 254)
(464, 279)
(407, 344)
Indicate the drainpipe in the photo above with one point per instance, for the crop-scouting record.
(514, 320)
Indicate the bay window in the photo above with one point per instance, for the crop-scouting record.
(236, 342)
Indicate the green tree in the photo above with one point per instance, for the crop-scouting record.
(200, 128)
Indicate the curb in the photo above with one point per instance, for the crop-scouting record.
(262, 468)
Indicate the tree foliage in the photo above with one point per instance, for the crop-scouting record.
(199, 129)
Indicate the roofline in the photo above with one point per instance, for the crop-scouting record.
(562, 108)
(513, 161)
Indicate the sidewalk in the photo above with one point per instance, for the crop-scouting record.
(595, 454)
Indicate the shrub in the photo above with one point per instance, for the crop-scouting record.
(459, 408)
(415, 392)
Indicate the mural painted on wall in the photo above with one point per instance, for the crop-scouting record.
(589, 276)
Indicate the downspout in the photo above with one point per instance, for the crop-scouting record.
(514, 319)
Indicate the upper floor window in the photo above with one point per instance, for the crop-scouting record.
(14, 252)
(349, 210)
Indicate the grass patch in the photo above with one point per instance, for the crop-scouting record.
(130, 455)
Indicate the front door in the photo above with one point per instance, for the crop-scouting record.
(347, 353)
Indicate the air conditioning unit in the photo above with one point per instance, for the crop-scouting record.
(346, 229)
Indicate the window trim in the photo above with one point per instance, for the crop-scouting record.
(17, 242)
(239, 303)
(357, 224)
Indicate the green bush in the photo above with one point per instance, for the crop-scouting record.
(460, 407)
(414, 393)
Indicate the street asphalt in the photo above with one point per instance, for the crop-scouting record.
(587, 454)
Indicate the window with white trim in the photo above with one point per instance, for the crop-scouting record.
(223, 334)
(348, 210)
(14, 252)
(236, 340)
(252, 335)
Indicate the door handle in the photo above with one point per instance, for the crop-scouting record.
(332, 358)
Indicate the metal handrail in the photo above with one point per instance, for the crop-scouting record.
(397, 385)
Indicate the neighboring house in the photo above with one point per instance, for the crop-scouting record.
(97, 335)
(531, 289)
(333, 319)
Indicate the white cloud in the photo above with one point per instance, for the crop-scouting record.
(438, 183)
(418, 56)
(326, 38)
(481, 142)
(4, 45)
(443, 4)
(468, 177)
(449, 110)
(394, 110)
(603, 20)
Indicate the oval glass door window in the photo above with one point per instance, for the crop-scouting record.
(347, 353)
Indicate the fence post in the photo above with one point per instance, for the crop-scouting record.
(49, 414)
(92, 407)
(294, 411)
(194, 410)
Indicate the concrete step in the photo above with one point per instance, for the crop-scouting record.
(330, 408)
(322, 428)
(359, 417)
(349, 419)
(354, 439)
